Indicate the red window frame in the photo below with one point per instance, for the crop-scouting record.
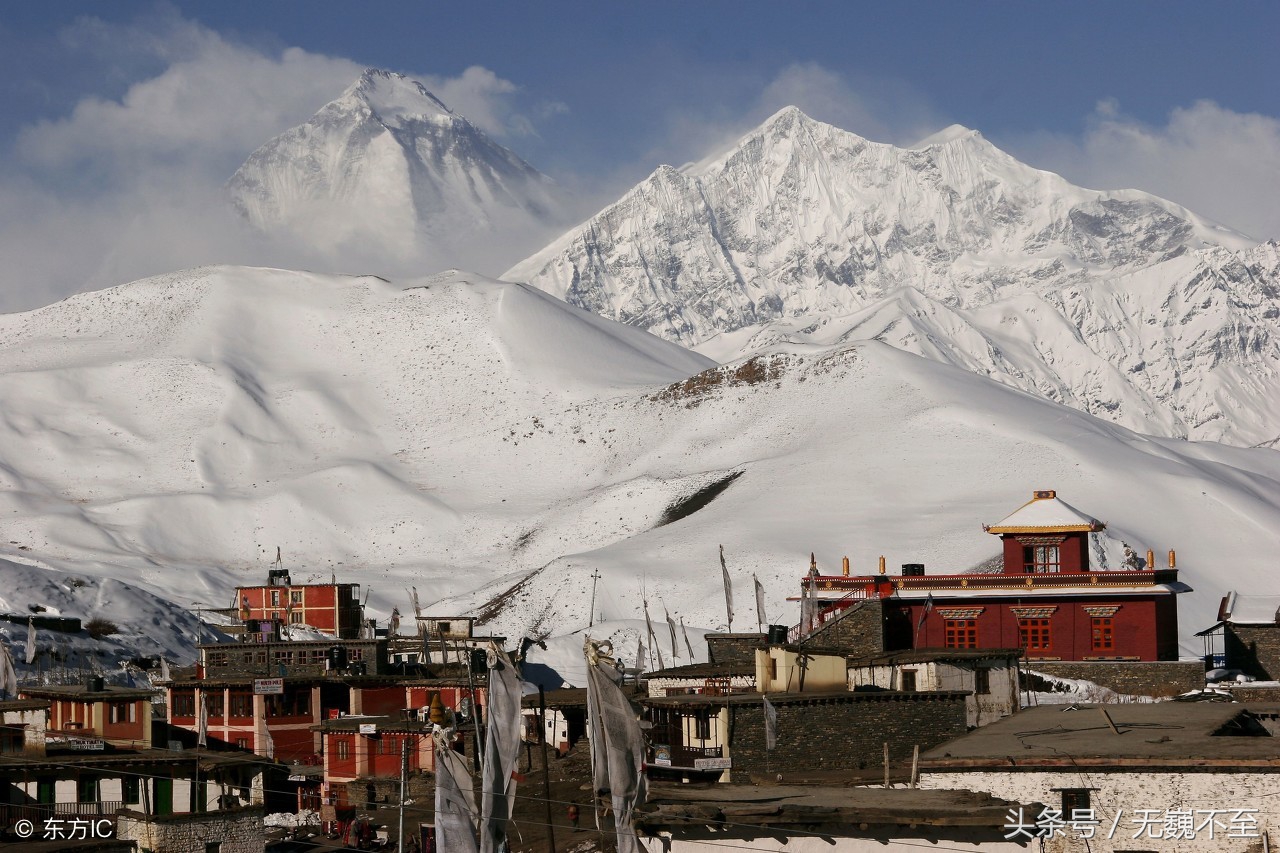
(961, 633)
(1036, 634)
(1102, 633)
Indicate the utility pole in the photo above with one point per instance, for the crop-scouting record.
(404, 785)
(546, 772)
(591, 616)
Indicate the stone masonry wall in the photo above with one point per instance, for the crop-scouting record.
(733, 648)
(369, 793)
(842, 733)
(857, 631)
(1254, 649)
(1141, 678)
(238, 830)
(1130, 792)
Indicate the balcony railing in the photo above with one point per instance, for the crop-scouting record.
(853, 586)
(10, 813)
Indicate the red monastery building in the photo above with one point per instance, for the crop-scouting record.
(330, 607)
(1045, 598)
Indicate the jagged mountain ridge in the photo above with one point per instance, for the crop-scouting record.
(802, 230)
(1186, 348)
(388, 164)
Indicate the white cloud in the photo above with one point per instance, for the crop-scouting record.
(490, 102)
(1219, 163)
(882, 110)
(120, 189)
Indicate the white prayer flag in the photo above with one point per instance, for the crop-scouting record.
(728, 588)
(502, 751)
(8, 675)
(455, 801)
(770, 724)
(31, 640)
(761, 618)
(617, 744)
(653, 639)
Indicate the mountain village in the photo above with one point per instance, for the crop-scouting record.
(921, 706)
(988, 461)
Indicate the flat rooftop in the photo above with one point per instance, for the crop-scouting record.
(774, 806)
(1207, 734)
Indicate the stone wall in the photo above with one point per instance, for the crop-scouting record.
(1130, 792)
(1139, 678)
(238, 831)
(857, 631)
(1254, 649)
(734, 648)
(370, 793)
(835, 732)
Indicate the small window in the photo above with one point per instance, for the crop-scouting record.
(87, 790)
(295, 618)
(344, 750)
(1041, 559)
(1103, 639)
(295, 596)
(12, 740)
(242, 704)
(213, 847)
(773, 668)
(981, 680)
(275, 598)
(444, 627)
(184, 703)
(702, 726)
(1074, 800)
(132, 789)
(962, 634)
(908, 679)
(242, 743)
(1035, 634)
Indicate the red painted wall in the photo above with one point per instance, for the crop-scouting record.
(1073, 555)
(1143, 627)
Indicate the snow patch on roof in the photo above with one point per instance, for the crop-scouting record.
(1045, 513)
(1252, 609)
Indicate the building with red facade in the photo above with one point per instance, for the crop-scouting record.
(96, 712)
(1045, 597)
(330, 607)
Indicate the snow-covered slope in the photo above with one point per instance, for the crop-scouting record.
(388, 167)
(953, 249)
(148, 625)
(492, 446)
(1186, 348)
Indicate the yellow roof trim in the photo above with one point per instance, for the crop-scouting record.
(1053, 528)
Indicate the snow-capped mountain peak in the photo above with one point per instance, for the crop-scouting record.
(802, 233)
(387, 173)
(947, 135)
(395, 99)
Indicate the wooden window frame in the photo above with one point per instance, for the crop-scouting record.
(1102, 636)
(961, 633)
(1036, 633)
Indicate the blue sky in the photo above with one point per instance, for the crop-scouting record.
(1179, 99)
